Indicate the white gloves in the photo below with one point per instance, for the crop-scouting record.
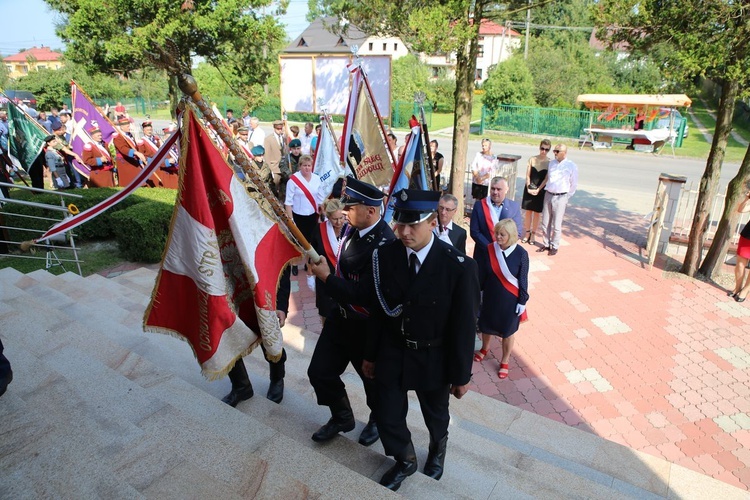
(520, 308)
(59, 182)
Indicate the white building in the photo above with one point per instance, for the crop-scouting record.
(496, 44)
(331, 36)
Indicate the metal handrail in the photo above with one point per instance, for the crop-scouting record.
(38, 190)
(51, 257)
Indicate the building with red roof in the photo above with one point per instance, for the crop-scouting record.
(496, 43)
(33, 59)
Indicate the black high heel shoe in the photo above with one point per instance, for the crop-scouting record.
(737, 298)
(527, 238)
(731, 293)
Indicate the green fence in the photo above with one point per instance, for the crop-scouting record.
(556, 122)
(401, 110)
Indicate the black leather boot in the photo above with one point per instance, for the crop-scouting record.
(342, 420)
(436, 458)
(406, 465)
(276, 387)
(370, 433)
(242, 389)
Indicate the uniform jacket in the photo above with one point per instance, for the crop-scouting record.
(126, 148)
(96, 156)
(148, 146)
(480, 230)
(354, 286)
(440, 305)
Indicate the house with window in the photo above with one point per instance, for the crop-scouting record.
(32, 59)
(496, 44)
(329, 35)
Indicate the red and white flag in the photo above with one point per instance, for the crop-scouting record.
(216, 288)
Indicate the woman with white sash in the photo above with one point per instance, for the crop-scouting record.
(326, 241)
(504, 278)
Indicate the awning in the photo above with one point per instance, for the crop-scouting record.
(605, 101)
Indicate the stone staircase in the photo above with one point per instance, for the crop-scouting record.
(98, 408)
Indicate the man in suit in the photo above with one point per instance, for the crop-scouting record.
(423, 332)
(276, 156)
(489, 211)
(343, 339)
(445, 229)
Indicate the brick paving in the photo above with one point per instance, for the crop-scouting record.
(650, 359)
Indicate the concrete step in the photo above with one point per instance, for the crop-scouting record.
(154, 438)
(494, 448)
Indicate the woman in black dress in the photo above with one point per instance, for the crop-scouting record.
(533, 190)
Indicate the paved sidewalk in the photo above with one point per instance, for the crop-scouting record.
(647, 358)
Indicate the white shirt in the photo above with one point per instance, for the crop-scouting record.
(421, 254)
(298, 199)
(562, 177)
(256, 136)
(306, 140)
(443, 235)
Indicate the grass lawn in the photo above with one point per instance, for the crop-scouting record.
(96, 256)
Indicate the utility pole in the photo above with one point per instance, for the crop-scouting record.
(528, 26)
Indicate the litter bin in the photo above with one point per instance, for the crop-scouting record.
(507, 166)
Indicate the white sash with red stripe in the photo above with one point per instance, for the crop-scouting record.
(490, 218)
(501, 270)
(300, 182)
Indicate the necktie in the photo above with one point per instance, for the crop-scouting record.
(413, 265)
(281, 142)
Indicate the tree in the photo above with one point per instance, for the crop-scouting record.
(510, 82)
(114, 36)
(410, 76)
(442, 26)
(693, 32)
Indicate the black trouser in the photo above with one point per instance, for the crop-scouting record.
(306, 224)
(391, 417)
(4, 364)
(237, 377)
(341, 342)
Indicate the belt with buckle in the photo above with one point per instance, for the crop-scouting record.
(422, 344)
(559, 194)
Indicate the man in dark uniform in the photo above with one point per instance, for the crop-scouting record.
(242, 389)
(343, 338)
(424, 326)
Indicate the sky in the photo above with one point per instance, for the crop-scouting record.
(28, 23)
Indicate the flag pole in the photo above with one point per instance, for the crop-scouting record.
(419, 97)
(164, 59)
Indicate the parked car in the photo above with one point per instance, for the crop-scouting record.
(678, 119)
(22, 96)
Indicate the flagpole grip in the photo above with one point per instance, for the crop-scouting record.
(189, 86)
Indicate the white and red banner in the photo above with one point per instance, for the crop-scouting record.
(327, 160)
(216, 288)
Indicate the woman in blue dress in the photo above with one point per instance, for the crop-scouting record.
(504, 278)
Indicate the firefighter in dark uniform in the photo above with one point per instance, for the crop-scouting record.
(343, 338)
(242, 388)
(425, 325)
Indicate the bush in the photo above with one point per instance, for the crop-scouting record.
(101, 227)
(142, 230)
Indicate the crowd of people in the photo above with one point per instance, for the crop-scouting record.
(402, 302)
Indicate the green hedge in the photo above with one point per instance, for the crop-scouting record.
(142, 230)
(103, 227)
